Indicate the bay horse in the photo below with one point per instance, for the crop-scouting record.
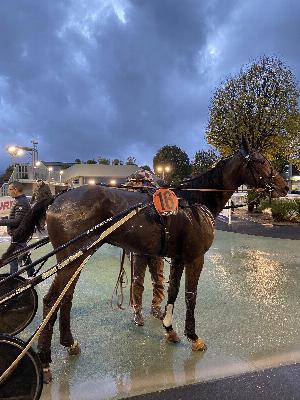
(190, 233)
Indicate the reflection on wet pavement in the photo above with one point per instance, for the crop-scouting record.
(247, 311)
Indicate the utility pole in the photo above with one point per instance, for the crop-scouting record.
(290, 175)
(34, 152)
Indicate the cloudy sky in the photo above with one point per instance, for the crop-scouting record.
(119, 78)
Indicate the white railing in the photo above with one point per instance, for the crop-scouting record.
(4, 189)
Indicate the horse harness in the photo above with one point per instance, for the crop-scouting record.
(257, 178)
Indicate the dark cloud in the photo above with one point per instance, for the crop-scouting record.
(118, 78)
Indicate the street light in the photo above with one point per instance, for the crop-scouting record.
(18, 151)
(15, 151)
(162, 169)
(50, 169)
(60, 175)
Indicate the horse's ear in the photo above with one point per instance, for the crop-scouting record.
(245, 147)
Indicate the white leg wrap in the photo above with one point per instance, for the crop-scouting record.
(169, 316)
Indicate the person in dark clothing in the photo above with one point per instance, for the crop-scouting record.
(42, 192)
(156, 269)
(137, 181)
(20, 209)
(41, 198)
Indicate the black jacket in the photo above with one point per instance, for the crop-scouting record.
(20, 209)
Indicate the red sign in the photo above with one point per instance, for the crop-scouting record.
(5, 205)
(165, 202)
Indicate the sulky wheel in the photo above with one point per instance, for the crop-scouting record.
(17, 313)
(26, 380)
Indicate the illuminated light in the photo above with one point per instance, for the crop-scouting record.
(38, 163)
(91, 182)
(112, 182)
(12, 149)
(162, 169)
(61, 172)
(20, 152)
(50, 169)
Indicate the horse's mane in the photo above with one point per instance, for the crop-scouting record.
(212, 179)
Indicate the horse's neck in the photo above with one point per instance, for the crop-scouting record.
(225, 176)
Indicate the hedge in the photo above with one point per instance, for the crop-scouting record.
(283, 209)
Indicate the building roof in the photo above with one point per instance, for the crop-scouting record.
(98, 170)
(56, 163)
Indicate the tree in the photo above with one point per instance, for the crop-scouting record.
(7, 174)
(261, 104)
(91, 162)
(176, 159)
(146, 168)
(78, 161)
(103, 161)
(203, 161)
(116, 161)
(131, 161)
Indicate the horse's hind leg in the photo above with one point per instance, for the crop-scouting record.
(173, 289)
(66, 337)
(44, 343)
(192, 274)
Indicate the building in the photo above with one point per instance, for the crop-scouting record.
(83, 174)
(59, 174)
(49, 172)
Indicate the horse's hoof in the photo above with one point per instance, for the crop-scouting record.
(74, 349)
(172, 337)
(198, 345)
(47, 375)
(138, 318)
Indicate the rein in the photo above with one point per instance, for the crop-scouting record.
(121, 284)
(210, 190)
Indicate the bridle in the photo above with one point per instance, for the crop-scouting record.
(259, 181)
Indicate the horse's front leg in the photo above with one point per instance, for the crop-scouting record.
(192, 274)
(173, 289)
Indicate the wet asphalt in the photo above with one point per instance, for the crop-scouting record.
(244, 226)
(282, 383)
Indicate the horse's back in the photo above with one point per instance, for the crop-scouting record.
(78, 210)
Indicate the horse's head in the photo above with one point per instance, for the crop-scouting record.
(259, 172)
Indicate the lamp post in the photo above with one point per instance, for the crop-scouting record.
(36, 166)
(162, 169)
(50, 169)
(60, 175)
